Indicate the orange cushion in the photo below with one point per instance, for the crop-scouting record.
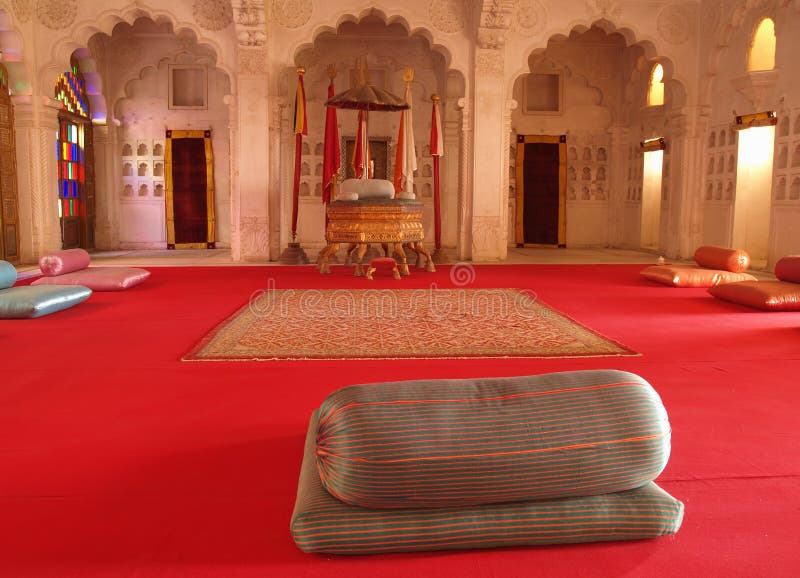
(691, 276)
(788, 269)
(714, 257)
(767, 295)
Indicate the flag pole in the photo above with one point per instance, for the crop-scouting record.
(436, 152)
(331, 162)
(294, 253)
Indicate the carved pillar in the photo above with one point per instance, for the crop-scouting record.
(251, 152)
(250, 143)
(104, 137)
(465, 187)
(36, 127)
(450, 171)
(236, 201)
(687, 142)
(490, 191)
(510, 107)
(617, 181)
(278, 186)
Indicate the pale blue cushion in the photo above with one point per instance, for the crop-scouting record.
(29, 302)
(8, 274)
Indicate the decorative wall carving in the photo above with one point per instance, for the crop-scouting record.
(531, 17)
(486, 236)
(213, 14)
(254, 236)
(252, 61)
(676, 22)
(447, 15)
(251, 38)
(489, 62)
(292, 13)
(249, 13)
(56, 14)
(711, 18)
(22, 9)
(491, 39)
(603, 8)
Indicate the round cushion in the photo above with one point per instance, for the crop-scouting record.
(788, 269)
(8, 274)
(66, 261)
(713, 257)
(376, 189)
(444, 443)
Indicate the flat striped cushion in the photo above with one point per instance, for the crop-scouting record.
(321, 523)
(445, 443)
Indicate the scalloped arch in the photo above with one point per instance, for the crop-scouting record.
(79, 35)
(629, 34)
(12, 45)
(388, 18)
(735, 19)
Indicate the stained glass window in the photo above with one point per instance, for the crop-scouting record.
(71, 168)
(71, 91)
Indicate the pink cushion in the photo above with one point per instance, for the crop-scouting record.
(713, 257)
(767, 295)
(691, 276)
(788, 269)
(66, 261)
(99, 278)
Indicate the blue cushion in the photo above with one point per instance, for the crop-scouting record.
(8, 274)
(29, 302)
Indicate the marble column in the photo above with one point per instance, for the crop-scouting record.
(36, 128)
(489, 197)
(687, 142)
(107, 178)
(465, 186)
(617, 183)
(250, 159)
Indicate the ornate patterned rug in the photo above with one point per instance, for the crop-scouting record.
(399, 324)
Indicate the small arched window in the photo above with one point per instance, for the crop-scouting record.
(762, 50)
(655, 94)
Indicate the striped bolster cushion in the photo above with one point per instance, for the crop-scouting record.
(321, 523)
(449, 443)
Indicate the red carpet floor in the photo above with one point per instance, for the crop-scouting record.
(119, 460)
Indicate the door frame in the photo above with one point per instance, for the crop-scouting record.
(169, 190)
(519, 230)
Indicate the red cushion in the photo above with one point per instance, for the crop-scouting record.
(788, 269)
(66, 261)
(713, 257)
(383, 262)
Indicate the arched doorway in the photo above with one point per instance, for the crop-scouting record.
(591, 89)
(9, 204)
(389, 48)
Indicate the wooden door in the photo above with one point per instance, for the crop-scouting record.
(541, 184)
(189, 190)
(9, 219)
